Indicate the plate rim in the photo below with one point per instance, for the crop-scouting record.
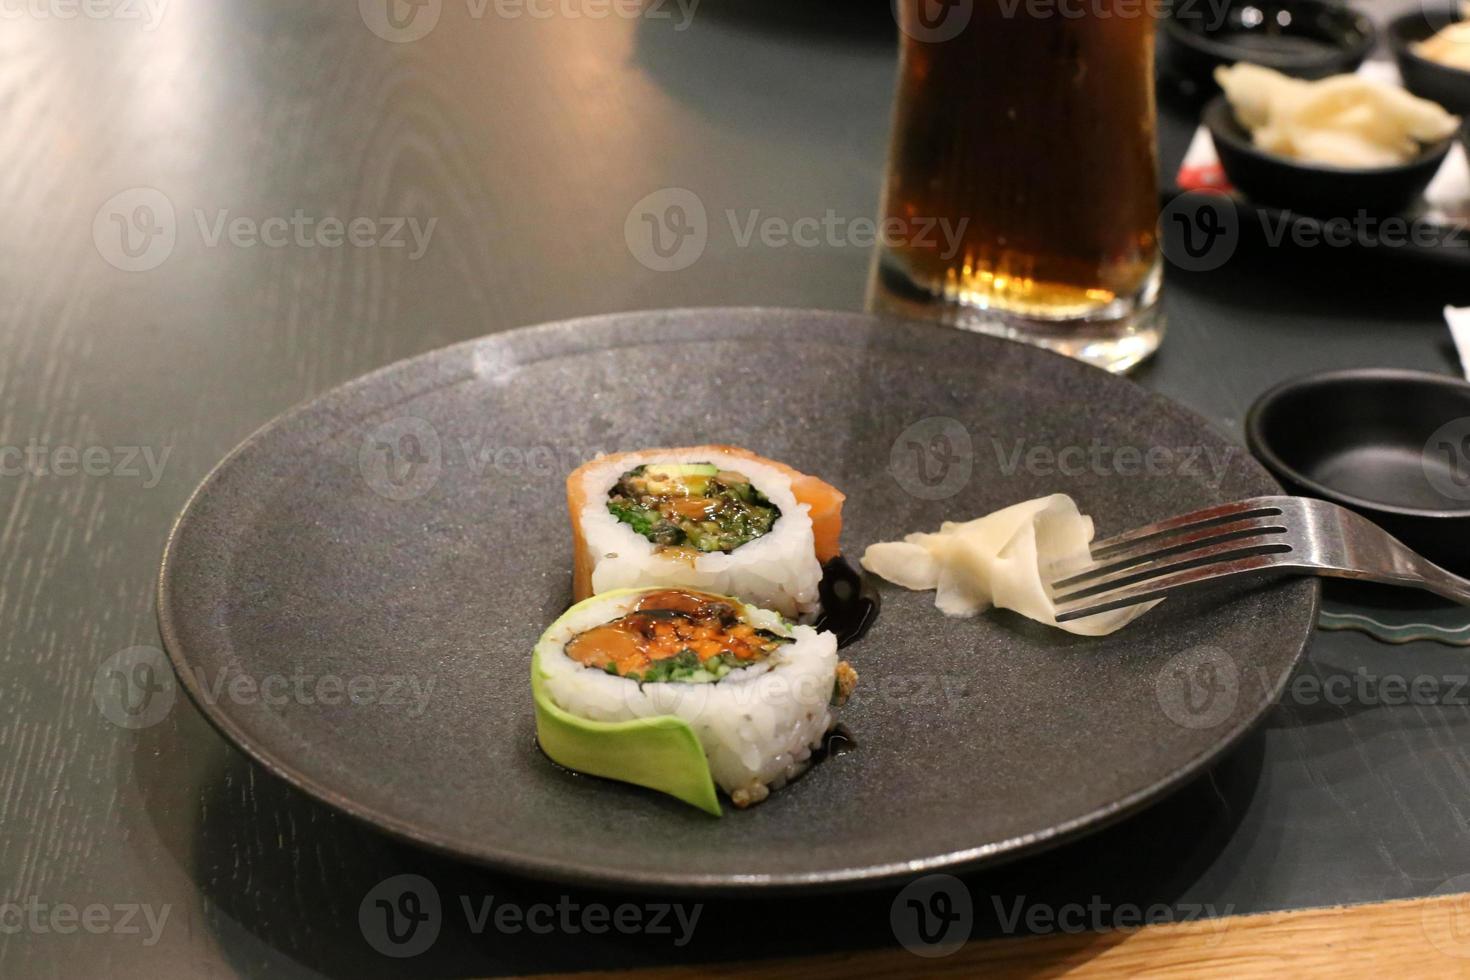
(719, 883)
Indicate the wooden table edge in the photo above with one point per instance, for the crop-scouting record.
(1429, 937)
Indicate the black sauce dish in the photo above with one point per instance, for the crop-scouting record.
(1426, 78)
(1313, 188)
(1302, 38)
(1393, 445)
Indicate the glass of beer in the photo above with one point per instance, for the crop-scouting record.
(1022, 190)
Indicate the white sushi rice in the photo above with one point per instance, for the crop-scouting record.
(758, 725)
(778, 570)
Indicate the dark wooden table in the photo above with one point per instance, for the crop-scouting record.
(526, 141)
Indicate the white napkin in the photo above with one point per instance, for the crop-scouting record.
(1459, 320)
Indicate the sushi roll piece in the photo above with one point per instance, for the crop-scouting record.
(711, 518)
(684, 691)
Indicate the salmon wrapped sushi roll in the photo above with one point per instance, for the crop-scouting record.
(713, 518)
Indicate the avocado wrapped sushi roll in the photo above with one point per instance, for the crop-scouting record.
(683, 691)
(712, 518)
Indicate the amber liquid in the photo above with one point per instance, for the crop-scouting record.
(1039, 133)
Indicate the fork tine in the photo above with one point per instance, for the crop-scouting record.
(1209, 554)
(1205, 517)
(1189, 538)
(1159, 588)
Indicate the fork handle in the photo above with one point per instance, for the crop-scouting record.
(1374, 555)
(1433, 579)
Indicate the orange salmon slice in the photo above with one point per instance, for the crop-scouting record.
(823, 500)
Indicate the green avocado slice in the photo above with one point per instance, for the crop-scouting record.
(660, 753)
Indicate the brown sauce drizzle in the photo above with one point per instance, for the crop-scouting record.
(666, 624)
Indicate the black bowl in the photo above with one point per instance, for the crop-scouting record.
(1387, 443)
(1450, 87)
(1303, 38)
(1315, 188)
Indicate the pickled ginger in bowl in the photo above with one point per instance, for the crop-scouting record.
(1340, 146)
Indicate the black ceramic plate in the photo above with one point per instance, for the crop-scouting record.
(409, 529)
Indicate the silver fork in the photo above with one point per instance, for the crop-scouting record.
(1259, 537)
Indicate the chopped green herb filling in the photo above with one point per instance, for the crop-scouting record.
(692, 505)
